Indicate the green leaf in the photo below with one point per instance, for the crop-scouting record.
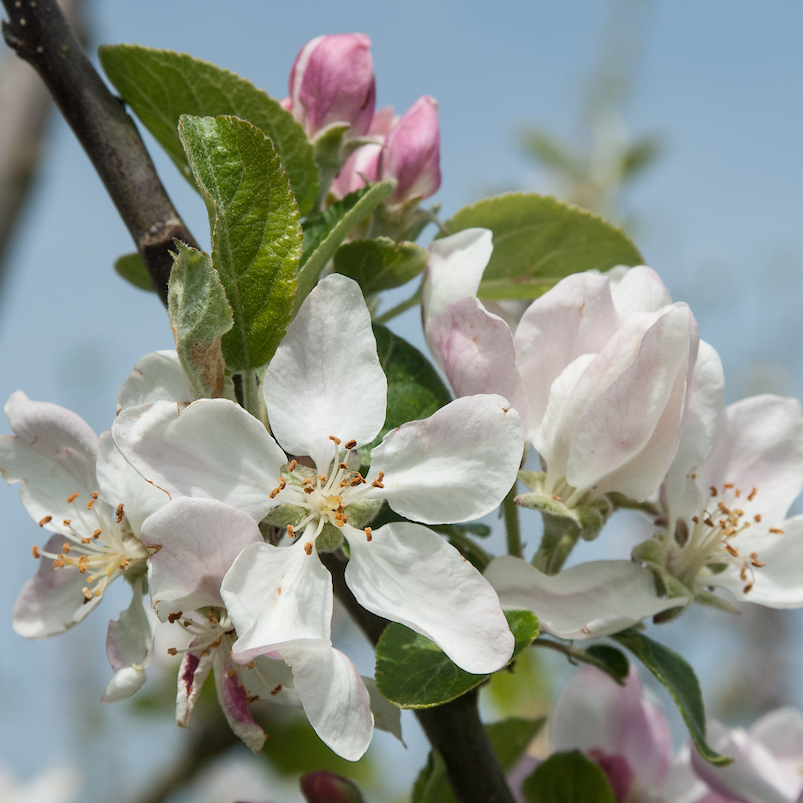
(415, 389)
(256, 236)
(539, 240)
(133, 270)
(568, 778)
(609, 660)
(324, 234)
(510, 738)
(680, 681)
(199, 316)
(413, 672)
(161, 85)
(380, 264)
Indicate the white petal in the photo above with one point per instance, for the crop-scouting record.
(158, 376)
(212, 449)
(192, 674)
(197, 541)
(52, 600)
(270, 679)
(233, 701)
(575, 317)
(475, 351)
(119, 482)
(325, 378)
(638, 289)
(53, 452)
(278, 597)
(626, 438)
(759, 444)
(129, 646)
(705, 404)
(409, 574)
(595, 712)
(334, 698)
(592, 599)
(456, 465)
(455, 268)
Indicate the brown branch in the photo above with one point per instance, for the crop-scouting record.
(453, 729)
(40, 35)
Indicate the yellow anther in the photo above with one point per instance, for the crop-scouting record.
(45, 520)
(119, 513)
(35, 552)
(351, 444)
(776, 530)
(72, 497)
(308, 547)
(335, 440)
(368, 534)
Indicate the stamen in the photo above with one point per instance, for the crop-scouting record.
(291, 531)
(335, 440)
(755, 561)
(776, 530)
(275, 691)
(45, 520)
(731, 550)
(747, 588)
(757, 518)
(72, 497)
(292, 467)
(308, 547)
(368, 534)
(322, 477)
(713, 491)
(119, 513)
(65, 547)
(752, 495)
(351, 444)
(97, 534)
(172, 651)
(695, 519)
(556, 497)
(66, 522)
(94, 494)
(727, 486)
(35, 551)
(82, 564)
(90, 504)
(87, 594)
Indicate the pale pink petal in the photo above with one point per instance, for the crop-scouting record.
(193, 671)
(158, 376)
(637, 289)
(52, 600)
(212, 449)
(233, 699)
(278, 597)
(626, 437)
(454, 271)
(475, 351)
(705, 403)
(269, 678)
(196, 542)
(740, 781)
(52, 452)
(325, 378)
(120, 483)
(334, 697)
(456, 465)
(592, 599)
(683, 785)
(594, 712)
(409, 574)
(759, 444)
(575, 317)
(129, 647)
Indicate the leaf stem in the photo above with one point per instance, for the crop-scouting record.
(40, 34)
(511, 511)
(409, 303)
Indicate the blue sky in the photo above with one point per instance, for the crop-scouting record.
(720, 220)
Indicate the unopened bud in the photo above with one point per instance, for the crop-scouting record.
(412, 153)
(326, 787)
(332, 81)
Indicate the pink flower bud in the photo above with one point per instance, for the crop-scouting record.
(326, 787)
(412, 153)
(332, 81)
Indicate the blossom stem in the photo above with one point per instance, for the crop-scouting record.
(40, 34)
(453, 729)
(399, 308)
(560, 536)
(511, 511)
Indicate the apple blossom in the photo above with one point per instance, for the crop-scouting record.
(325, 394)
(332, 82)
(78, 487)
(598, 367)
(727, 517)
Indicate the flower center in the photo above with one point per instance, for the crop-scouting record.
(325, 498)
(98, 542)
(205, 634)
(708, 543)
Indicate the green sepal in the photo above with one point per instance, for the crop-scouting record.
(568, 778)
(283, 515)
(362, 512)
(330, 538)
(131, 268)
(380, 264)
(705, 597)
(256, 235)
(413, 672)
(653, 554)
(325, 232)
(161, 85)
(199, 316)
(680, 681)
(539, 240)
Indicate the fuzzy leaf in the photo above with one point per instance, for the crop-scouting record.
(161, 85)
(256, 236)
